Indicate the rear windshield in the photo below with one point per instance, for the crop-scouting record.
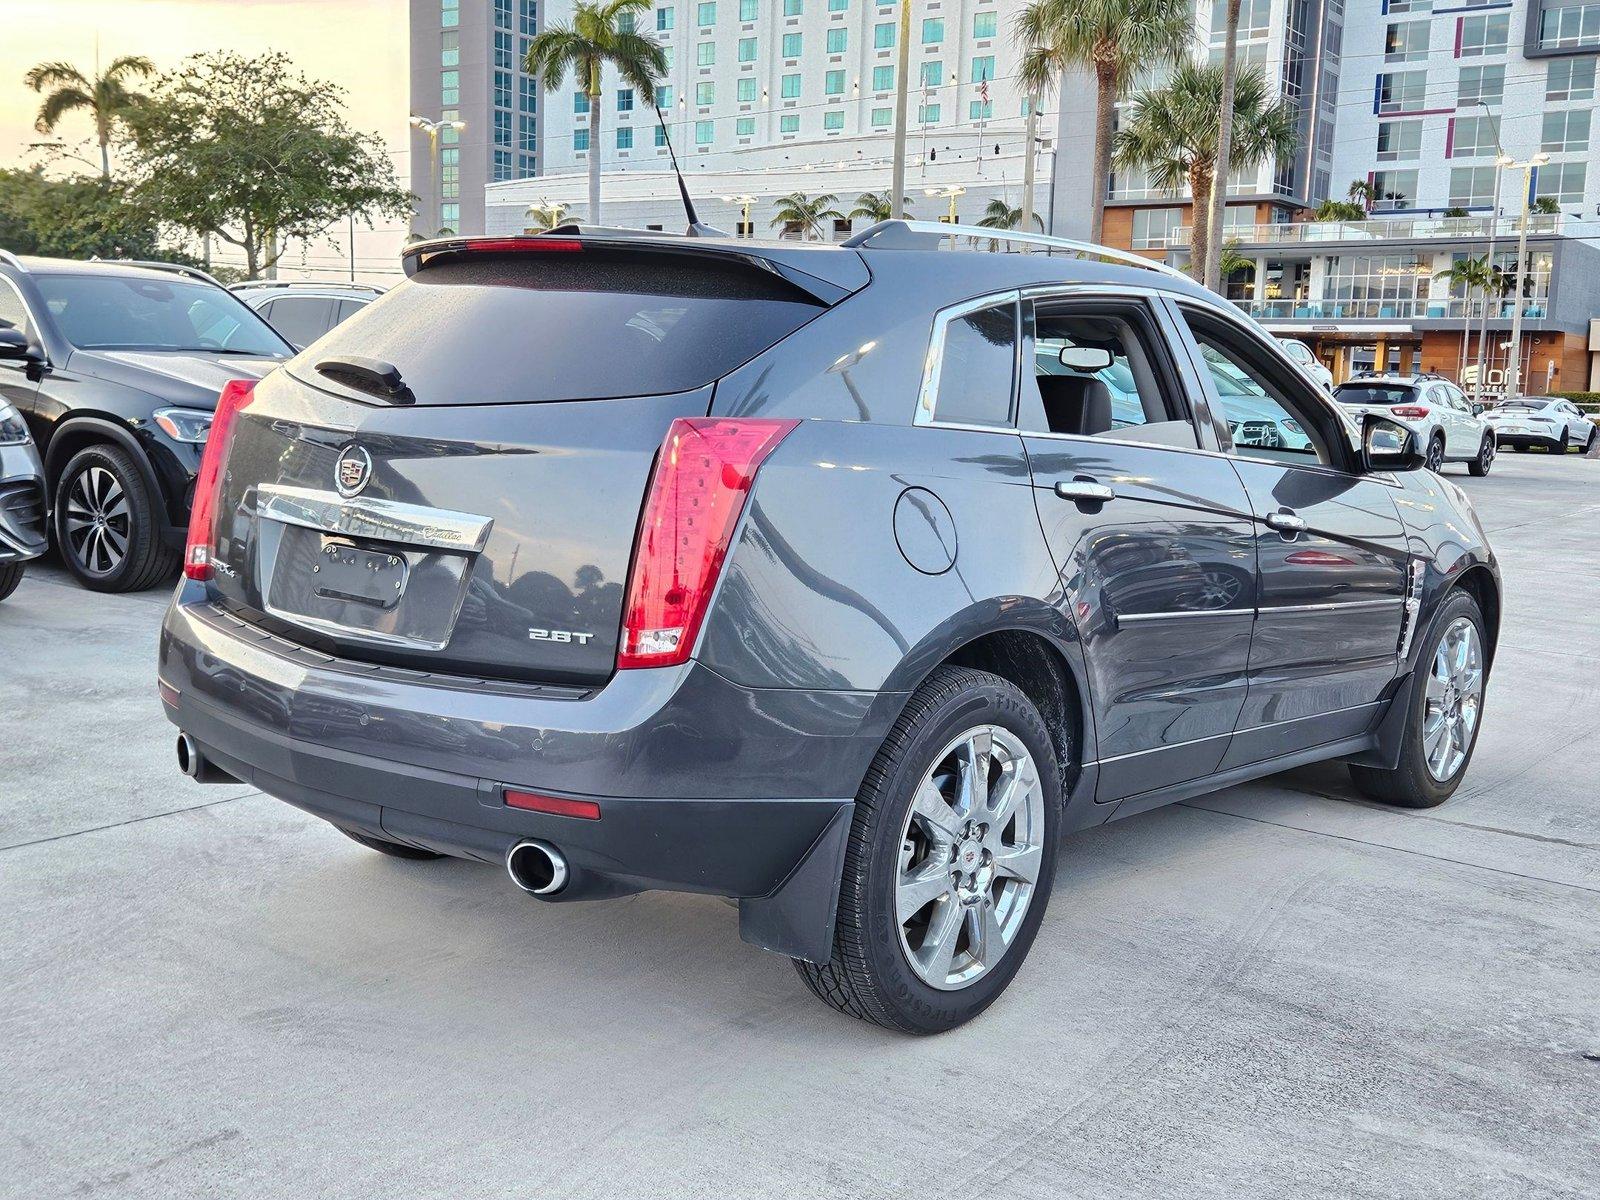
(582, 325)
(1375, 393)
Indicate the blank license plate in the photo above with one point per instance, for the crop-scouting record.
(345, 571)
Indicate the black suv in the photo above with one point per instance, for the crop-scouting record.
(840, 580)
(122, 369)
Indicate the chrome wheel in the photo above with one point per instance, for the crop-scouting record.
(1486, 455)
(970, 854)
(1453, 700)
(1435, 460)
(98, 521)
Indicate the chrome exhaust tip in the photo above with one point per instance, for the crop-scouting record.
(189, 757)
(538, 868)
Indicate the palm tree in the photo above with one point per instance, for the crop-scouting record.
(1230, 262)
(1470, 275)
(1116, 39)
(1217, 201)
(1340, 210)
(545, 215)
(1172, 133)
(108, 96)
(805, 214)
(601, 34)
(876, 206)
(1000, 215)
(1546, 206)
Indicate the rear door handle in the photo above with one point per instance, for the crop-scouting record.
(1286, 522)
(1085, 491)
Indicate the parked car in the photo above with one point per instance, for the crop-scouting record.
(760, 570)
(303, 312)
(21, 476)
(1449, 427)
(1547, 421)
(117, 383)
(1301, 355)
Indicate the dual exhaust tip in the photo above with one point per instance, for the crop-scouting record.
(536, 867)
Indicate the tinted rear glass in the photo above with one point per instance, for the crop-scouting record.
(1373, 393)
(571, 326)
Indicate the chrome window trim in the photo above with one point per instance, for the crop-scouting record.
(933, 364)
(1261, 610)
(1176, 614)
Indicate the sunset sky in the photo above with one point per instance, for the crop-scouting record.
(358, 44)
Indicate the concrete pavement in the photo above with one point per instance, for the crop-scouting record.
(1276, 990)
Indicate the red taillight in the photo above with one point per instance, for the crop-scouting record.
(236, 394)
(588, 810)
(698, 490)
(538, 243)
(1411, 412)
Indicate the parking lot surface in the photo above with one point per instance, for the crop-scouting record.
(1276, 990)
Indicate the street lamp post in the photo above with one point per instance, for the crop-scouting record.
(746, 203)
(1514, 366)
(952, 192)
(433, 129)
(902, 105)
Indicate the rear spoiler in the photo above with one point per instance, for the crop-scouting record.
(825, 273)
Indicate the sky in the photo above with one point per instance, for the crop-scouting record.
(357, 44)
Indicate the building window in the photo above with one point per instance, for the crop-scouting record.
(749, 10)
(932, 73)
(580, 140)
(838, 39)
(1406, 41)
(705, 93)
(706, 14)
(882, 117)
(791, 45)
(624, 100)
(933, 31)
(1375, 285)
(1402, 91)
(982, 68)
(747, 49)
(1254, 17)
(503, 57)
(664, 95)
(1471, 187)
(527, 134)
(449, 13)
(450, 216)
(838, 5)
(1570, 79)
(789, 123)
(745, 126)
(791, 8)
(1394, 190)
(983, 24)
(1399, 141)
(833, 121)
(1562, 26)
(747, 90)
(1470, 137)
(883, 35)
(1153, 227)
(1563, 181)
(450, 48)
(661, 136)
(1565, 132)
(450, 135)
(528, 17)
(627, 22)
(927, 114)
(625, 137)
(702, 133)
(977, 110)
(833, 83)
(450, 173)
(502, 165)
(502, 129)
(449, 88)
(580, 103)
(502, 89)
(789, 87)
(883, 79)
(705, 54)
(1409, 6)
(1486, 33)
(1481, 83)
(665, 19)
(527, 94)
(502, 14)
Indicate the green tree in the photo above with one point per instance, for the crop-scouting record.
(1000, 215)
(1470, 275)
(601, 34)
(1363, 192)
(1230, 262)
(76, 218)
(1172, 132)
(1116, 39)
(108, 97)
(805, 214)
(253, 152)
(876, 206)
(545, 215)
(1340, 210)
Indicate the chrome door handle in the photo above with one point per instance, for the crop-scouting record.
(1286, 522)
(1085, 491)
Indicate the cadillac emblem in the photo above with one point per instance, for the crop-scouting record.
(352, 471)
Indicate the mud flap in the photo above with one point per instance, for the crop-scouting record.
(797, 919)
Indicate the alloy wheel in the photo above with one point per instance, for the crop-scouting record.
(1486, 455)
(970, 853)
(1435, 460)
(99, 522)
(1453, 700)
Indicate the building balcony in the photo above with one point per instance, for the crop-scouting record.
(1384, 310)
(1378, 230)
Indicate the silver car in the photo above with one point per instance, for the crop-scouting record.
(1449, 427)
(303, 312)
(1302, 356)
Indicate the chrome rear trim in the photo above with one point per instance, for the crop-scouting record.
(380, 520)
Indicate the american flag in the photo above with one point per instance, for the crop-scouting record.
(983, 90)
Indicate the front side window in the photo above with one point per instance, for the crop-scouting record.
(1266, 414)
(974, 377)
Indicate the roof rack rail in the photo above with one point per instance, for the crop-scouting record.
(12, 261)
(151, 264)
(250, 285)
(928, 235)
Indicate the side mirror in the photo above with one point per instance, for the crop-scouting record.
(1477, 409)
(13, 344)
(1388, 446)
(1086, 358)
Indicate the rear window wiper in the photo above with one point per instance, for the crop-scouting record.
(370, 375)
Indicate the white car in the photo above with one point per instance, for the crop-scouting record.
(1448, 426)
(1301, 356)
(1547, 421)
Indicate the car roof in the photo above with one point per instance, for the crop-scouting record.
(1391, 381)
(38, 265)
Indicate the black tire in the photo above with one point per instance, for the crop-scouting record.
(392, 849)
(1480, 465)
(868, 975)
(10, 577)
(1435, 458)
(1410, 784)
(143, 560)
(1563, 445)
(1588, 442)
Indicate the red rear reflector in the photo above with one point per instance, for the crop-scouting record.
(501, 245)
(169, 694)
(701, 480)
(236, 395)
(554, 805)
(1411, 412)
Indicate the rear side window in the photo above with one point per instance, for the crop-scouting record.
(301, 319)
(974, 376)
(585, 325)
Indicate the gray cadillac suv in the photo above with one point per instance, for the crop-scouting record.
(842, 581)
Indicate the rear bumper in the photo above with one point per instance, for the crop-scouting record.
(22, 504)
(703, 786)
(1525, 439)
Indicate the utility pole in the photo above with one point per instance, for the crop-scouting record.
(1514, 366)
(1031, 139)
(897, 187)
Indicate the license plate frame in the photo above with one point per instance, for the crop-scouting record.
(354, 574)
